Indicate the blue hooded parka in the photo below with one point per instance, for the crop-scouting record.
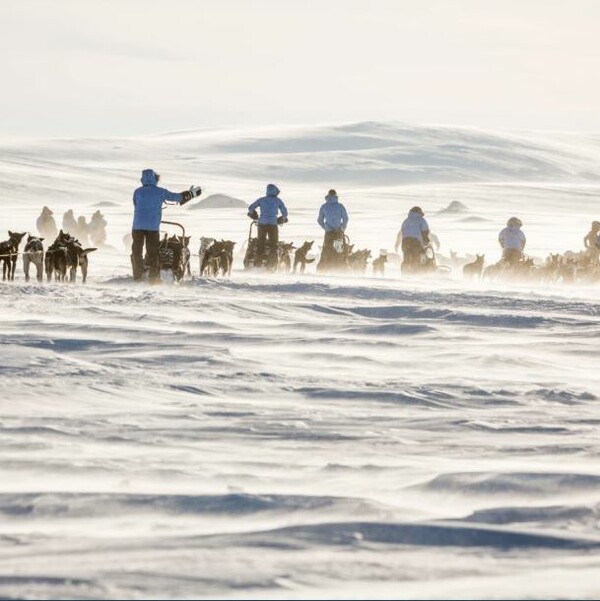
(148, 202)
(333, 215)
(270, 205)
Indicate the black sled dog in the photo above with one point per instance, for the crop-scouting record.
(64, 255)
(300, 256)
(8, 254)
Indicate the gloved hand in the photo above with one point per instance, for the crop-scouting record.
(281, 220)
(253, 215)
(187, 195)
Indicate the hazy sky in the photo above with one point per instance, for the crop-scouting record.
(79, 67)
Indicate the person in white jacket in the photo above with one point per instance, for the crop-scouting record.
(414, 236)
(512, 240)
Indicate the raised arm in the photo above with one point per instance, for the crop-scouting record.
(169, 196)
(181, 197)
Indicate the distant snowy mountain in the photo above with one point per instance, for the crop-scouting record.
(105, 203)
(219, 201)
(358, 155)
(392, 153)
(455, 207)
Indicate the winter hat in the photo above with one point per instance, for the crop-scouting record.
(149, 177)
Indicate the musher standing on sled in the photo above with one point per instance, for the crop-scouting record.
(333, 218)
(591, 243)
(512, 240)
(148, 202)
(268, 223)
(415, 237)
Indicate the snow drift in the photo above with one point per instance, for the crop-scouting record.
(297, 437)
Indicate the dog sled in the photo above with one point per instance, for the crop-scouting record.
(335, 256)
(428, 262)
(252, 259)
(173, 254)
(250, 256)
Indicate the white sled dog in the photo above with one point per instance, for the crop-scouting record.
(34, 253)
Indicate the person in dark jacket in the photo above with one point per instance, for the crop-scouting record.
(269, 220)
(148, 203)
(333, 218)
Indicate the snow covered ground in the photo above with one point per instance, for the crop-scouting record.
(302, 436)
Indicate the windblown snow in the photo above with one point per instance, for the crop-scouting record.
(298, 436)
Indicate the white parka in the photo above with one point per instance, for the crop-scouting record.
(414, 226)
(512, 238)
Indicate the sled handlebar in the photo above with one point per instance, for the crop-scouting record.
(176, 224)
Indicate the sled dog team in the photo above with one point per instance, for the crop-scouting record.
(270, 212)
(64, 256)
(67, 253)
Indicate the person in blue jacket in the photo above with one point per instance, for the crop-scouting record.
(333, 218)
(269, 220)
(148, 203)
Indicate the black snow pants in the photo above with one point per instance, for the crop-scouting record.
(411, 251)
(270, 232)
(152, 240)
(512, 255)
(330, 259)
